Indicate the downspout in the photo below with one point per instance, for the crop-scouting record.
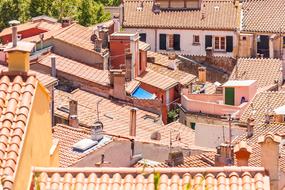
(155, 38)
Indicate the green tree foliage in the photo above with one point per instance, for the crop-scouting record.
(87, 12)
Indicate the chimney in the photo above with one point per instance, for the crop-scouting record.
(202, 74)
(104, 36)
(97, 131)
(133, 121)
(72, 117)
(129, 68)
(66, 22)
(156, 8)
(225, 155)
(13, 24)
(175, 158)
(270, 157)
(250, 126)
(53, 65)
(117, 80)
(242, 152)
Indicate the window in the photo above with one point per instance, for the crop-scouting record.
(196, 39)
(208, 41)
(176, 42)
(283, 41)
(143, 37)
(162, 41)
(220, 43)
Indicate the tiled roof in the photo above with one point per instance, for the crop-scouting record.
(206, 159)
(16, 95)
(214, 14)
(163, 65)
(78, 69)
(157, 80)
(131, 86)
(67, 156)
(264, 71)
(261, 130)
(44, 25)
(45, 79)
(114, 116)
(144, 46)
(151, 178)
(263, 102)
(263, 16)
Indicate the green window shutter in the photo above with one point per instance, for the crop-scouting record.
(229, 41)
(208, 41)
(162, 41)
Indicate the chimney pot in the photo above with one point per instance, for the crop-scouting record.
(225, 155)
(250, 127)
(133, 121)
(72, 117)
(242, 152)
(202, 74)
(73, 121)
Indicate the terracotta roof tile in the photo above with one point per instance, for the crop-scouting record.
(44, 25)
(263, 102)
(131, 86)
(16, 96)
(225, 18)
(78, 69)
(114, 116)
(263, 16)
(163, 65)
(148, 178)
(264, 71)
(157, 80)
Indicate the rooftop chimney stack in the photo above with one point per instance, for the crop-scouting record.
(13, 24)
(225, 155)
(73, 117)
(270, 157)
(156, 8)
(250, 126)
(97, 131)
(202, 72)
(133, 122)
(53, 65)
(242, 152)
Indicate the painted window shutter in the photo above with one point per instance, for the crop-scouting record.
(162, 41)
(176, 39)
(208, 41)
(229, 41)
(143, 37)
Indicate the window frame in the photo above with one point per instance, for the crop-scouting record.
(220, 43)
(194, 40)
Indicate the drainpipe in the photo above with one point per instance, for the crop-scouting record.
(155, 42)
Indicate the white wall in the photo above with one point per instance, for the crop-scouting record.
(213, 135)
(186, 39)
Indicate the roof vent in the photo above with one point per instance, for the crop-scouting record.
(217, 8)
(175, 158)
(97, 131)
(156, 8)
(84, 145)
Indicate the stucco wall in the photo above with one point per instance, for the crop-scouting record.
(37, 141)
(186, 40)
(76, 53)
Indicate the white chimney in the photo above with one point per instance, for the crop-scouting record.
(133, 121)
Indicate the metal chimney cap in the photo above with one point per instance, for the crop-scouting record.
(14, 22)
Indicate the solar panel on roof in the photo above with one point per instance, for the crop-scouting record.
(84, 145)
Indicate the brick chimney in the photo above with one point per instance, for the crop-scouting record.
(242, 152)
(225, 155)
(117, 79)
(73, 117)
(133, 121)
(202, 73)
(270, 157)
(129, 68)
